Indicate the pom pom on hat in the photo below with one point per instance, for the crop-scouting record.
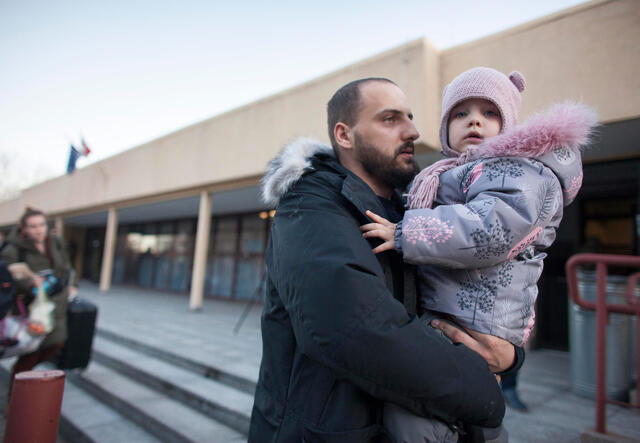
(518, 80)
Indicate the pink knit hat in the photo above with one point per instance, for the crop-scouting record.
(488, 84)
(485, 83)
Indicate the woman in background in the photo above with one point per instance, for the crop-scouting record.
(44, 254)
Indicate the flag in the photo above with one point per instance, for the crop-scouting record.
(75, 154)
(85, 148)
(73, 158)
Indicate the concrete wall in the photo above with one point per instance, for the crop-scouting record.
(589, 53)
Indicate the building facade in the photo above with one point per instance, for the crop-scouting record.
(182, 213)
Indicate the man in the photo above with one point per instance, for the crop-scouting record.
(339, 334)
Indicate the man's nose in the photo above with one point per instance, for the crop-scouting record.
(411, 132)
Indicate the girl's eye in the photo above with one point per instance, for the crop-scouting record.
(459, 114)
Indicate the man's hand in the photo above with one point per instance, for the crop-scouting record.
(498, 352)
(382, 229)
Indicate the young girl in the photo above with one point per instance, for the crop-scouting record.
(477, 220)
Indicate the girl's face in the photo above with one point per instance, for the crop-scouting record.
(35, 228)
(471, 121)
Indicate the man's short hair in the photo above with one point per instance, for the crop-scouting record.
(344, 106)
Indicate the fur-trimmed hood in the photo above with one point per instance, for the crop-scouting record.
(288, 166)
(553, 137)
(565, 124)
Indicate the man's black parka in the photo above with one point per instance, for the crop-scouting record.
(337, 344)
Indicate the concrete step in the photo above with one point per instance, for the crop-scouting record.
(217, 400)
(84, 419)
(239, 382)
(133, 391)
(167, 419)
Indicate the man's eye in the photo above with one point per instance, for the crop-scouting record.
(389, 118)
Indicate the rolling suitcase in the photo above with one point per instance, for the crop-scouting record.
(81, 325)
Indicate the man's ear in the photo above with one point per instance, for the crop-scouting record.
(343, 135)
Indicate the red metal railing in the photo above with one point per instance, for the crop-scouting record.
(603, 309)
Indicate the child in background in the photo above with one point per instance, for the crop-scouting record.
(477, 220)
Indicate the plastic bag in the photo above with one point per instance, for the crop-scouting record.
(41, 310)
(18, 335)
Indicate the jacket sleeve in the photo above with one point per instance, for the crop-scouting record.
(507, 202)
(344, 317)
(10, 255)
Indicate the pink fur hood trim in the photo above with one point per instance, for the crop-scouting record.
(565, 124)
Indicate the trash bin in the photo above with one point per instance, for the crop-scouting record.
(620, 347)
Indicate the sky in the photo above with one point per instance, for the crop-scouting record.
(122, 73)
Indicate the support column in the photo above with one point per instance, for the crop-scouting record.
(59, 225)
(200, 253)
(79, 258)
(109, 250)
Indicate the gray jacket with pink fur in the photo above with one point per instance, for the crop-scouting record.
(493, 214)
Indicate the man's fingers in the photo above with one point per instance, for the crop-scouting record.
(457, 336)
(498, 353)
(454, 334)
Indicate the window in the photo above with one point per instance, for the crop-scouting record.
(250, 256)
(222, 259)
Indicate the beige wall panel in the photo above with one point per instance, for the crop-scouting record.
(11, 210)
(432, 97)
(589, 53)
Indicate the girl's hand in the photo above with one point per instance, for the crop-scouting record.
(380, 228)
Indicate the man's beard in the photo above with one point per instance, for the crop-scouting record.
(383, 167)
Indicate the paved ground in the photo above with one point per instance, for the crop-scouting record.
(164, 320)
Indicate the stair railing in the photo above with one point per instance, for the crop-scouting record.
(603, 309)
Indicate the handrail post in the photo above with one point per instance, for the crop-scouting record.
(601, 345)
(635, 301)
(603, 310)
(34, 407)
(637, 360)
